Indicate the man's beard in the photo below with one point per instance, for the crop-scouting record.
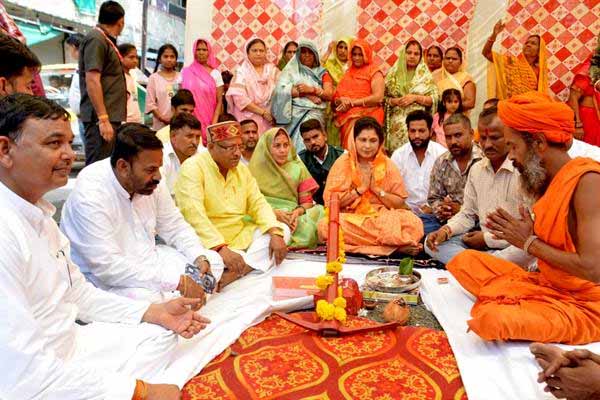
(419, 144)
(534, 177)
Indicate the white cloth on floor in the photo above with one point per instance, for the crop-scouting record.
(45, 353)
(490, 370)
(113, 237)
(240, 305)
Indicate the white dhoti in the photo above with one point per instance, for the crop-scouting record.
(141, 351)
(174, 262)
(257, 255)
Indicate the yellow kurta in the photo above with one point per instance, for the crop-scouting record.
(222, 210)
(164, 134)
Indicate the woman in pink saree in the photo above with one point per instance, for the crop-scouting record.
(250, 91)
(204, 80)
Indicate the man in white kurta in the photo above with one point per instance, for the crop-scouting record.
(415, 161)
(45, 354)
(185, 139)
(113, 229)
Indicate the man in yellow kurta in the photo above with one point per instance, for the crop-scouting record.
(220, 198)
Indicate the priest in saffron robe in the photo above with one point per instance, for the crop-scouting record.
(561, 302)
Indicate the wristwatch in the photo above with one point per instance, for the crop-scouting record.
(382, 193)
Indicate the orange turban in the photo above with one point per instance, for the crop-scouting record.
(535, 112)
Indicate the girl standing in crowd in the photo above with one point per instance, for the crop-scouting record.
(289, 50)
(433, 57)
(409, 86)
(336, 63)
(303, 91)
(359, 93)
(453, 76)
(129, 60)
(162, 85)
(204, 80)
(451, 103)
(249, 95)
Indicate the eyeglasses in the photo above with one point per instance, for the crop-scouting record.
(230, 149)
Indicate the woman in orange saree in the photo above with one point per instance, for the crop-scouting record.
(373, 213)
(359, 93)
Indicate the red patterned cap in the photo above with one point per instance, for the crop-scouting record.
(223, 131)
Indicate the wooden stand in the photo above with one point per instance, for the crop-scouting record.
(310, 320)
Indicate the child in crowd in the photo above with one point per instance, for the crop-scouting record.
(129, 60)
(162, 85)
(450, 103)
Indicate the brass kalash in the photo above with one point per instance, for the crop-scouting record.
(310, 320)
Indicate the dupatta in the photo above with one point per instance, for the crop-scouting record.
(278, 182)
(294, 73)
(333, 65)
(196, 78)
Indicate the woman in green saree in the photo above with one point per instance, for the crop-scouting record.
(287, 186)
(336, 63)
(409, 86)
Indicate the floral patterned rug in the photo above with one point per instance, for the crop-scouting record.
(279, 360)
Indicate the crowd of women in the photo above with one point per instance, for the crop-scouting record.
(346, 83)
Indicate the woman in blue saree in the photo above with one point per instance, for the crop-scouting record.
(302, 92)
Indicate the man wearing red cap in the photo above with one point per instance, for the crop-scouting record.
(561, 302)
(220, 198)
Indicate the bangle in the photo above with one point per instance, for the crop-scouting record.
(141, 390)
(528, 243)
(103, 117)
(447, 231)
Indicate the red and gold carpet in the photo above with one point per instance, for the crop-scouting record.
(279, 360)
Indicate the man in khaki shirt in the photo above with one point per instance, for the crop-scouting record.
(493, 182)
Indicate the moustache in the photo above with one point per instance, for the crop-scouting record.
(152, 183)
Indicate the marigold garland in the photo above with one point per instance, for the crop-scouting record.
(323, 281)
(336, 310)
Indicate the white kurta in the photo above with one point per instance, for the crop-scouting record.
(170, 168)
(417, 176)
(113, 237)
(171, 165)
(45, 354)
(582, 149)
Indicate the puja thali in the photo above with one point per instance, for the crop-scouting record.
(388, 279)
